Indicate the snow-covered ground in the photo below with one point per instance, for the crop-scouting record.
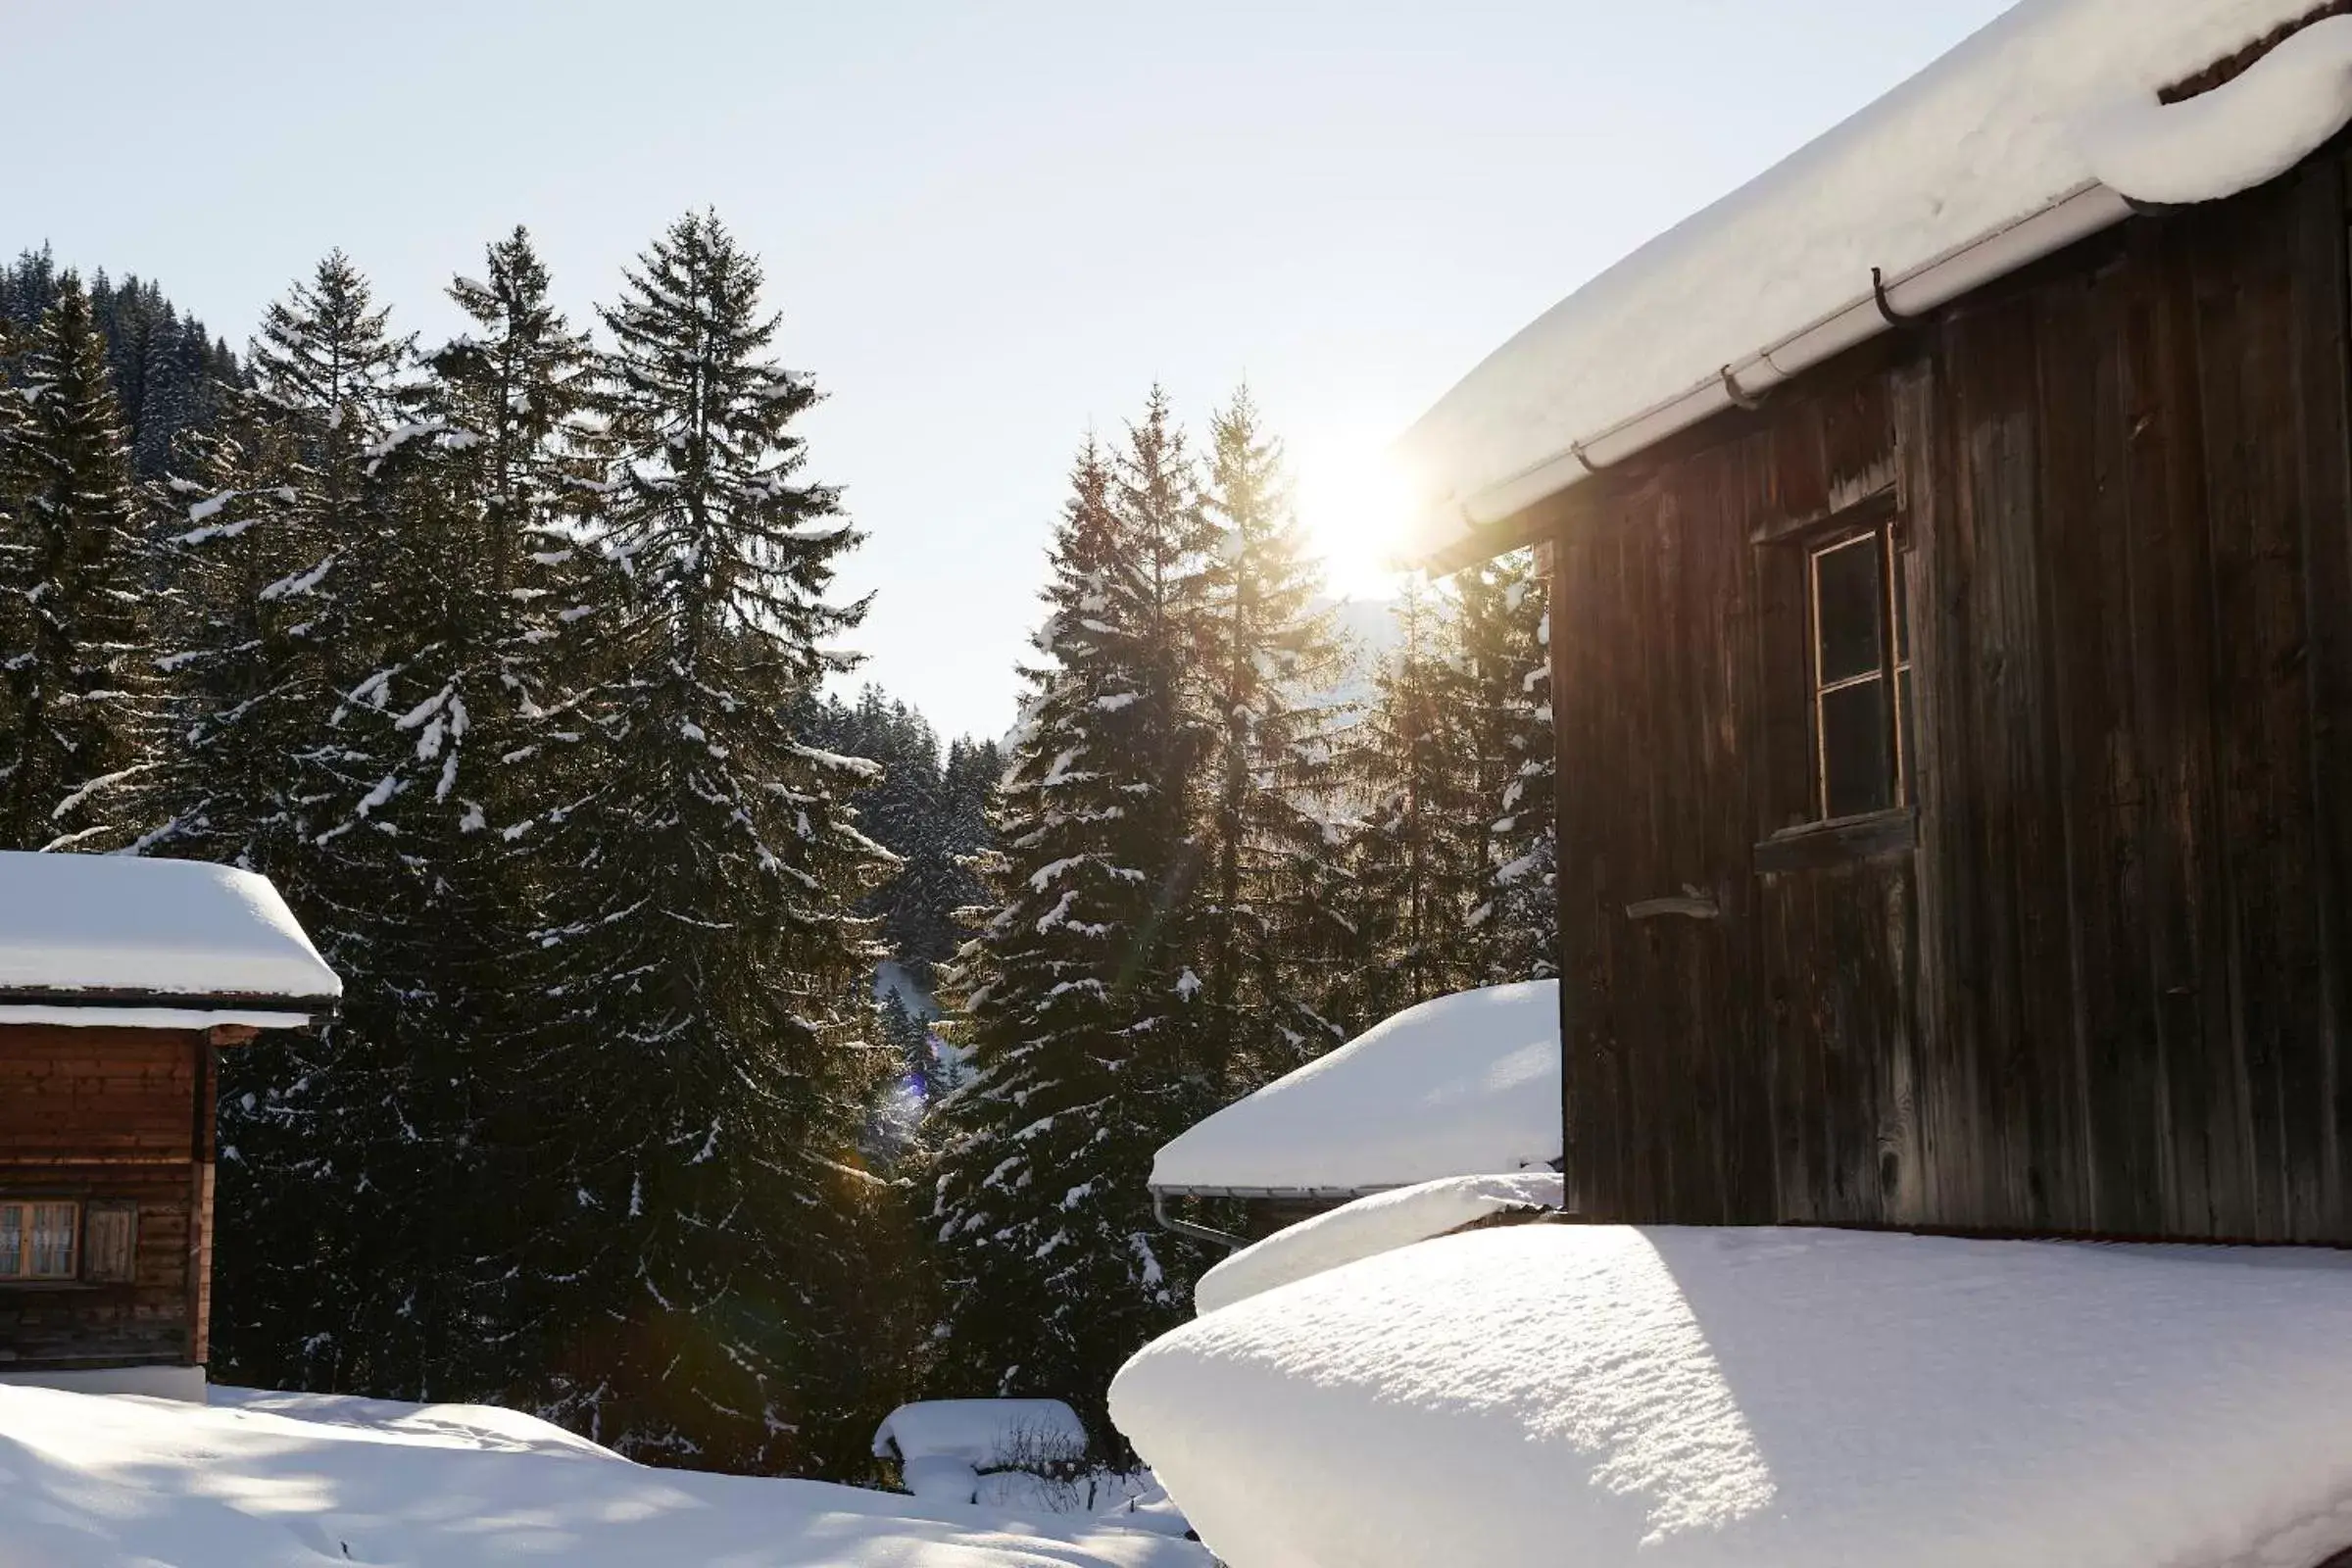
(293, 1481)
(1660, 1397)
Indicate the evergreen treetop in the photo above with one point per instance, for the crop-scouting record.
(81, 692)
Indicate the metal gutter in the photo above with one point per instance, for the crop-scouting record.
(1307, 1193)
(1185, 1227)
(2086, 210)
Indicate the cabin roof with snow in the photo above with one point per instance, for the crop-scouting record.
(1460, 1086)
(114, 940)
(2042, 129)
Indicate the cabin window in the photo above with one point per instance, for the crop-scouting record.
(38, 1240)
(1861, 636)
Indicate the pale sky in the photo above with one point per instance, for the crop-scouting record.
(988, 227)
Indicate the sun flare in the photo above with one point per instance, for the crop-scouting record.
(1356, 505)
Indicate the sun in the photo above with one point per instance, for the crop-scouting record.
(1356, 505)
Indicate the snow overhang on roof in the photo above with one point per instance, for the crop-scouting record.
(2042, 129)
(98, 940)
(1464, 1085)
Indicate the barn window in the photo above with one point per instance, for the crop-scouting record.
(1861, 636)
(38, 1240)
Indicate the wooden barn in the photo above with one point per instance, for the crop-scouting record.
(1950, 542)
(121, 980)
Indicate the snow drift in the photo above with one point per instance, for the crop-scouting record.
(1368, 1226)
(1454, 1087)
(279, 1481)
(1766, 1399)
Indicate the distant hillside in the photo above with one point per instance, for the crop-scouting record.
(166, 366)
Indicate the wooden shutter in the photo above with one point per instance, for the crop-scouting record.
(110, 1243)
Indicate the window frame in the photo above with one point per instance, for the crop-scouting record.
(1884, 529)
(19, 1270)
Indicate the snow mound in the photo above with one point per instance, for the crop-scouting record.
(488, 1427)
(1970, 152)
(1454, 1087)
(94, 1481)
(162, 929)
(1369, 1226)
(2238, 135)
(1703, 1398)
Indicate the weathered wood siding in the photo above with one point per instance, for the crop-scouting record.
(95, 1114)
(2096, 983)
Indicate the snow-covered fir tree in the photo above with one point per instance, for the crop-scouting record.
(1505, 629)
(78, 689)
(705, 1056)
(288, 549)
(168, 370)
(1273, 910)
(1071, 1003)
(903, 810)
(1420, 857)
(447, 745)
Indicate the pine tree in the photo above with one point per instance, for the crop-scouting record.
(284, 559)
(1505, 633)
(166, 370)
(78, 718)
(704, 1059)
(470, 653)
(1070, 1000)
(902, 810)
(1420, 858)
(1270, 909)
(910, 1043)
(967, 798)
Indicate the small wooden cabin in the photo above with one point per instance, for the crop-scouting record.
(121, 980)
(1950, 542)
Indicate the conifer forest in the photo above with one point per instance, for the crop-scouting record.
(725, 1056)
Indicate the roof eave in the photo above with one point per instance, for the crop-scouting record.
(1279, 1193)
(315, 1009)
(1498, 517)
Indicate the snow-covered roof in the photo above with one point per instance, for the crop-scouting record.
(2029, 136)
(943, 1446)
(86, 938)
(1460, 1086)
(982, 1432)
(1376, 1223)
(1622, 1397)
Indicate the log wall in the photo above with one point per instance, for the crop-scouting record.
(95, 1114)
(2094, 983)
